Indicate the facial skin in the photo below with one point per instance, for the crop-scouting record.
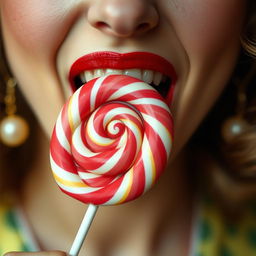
(200, 38)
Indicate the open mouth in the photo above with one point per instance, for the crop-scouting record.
(150, 68)
(156, 79)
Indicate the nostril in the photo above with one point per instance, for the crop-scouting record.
(142, 27)
(101, 25)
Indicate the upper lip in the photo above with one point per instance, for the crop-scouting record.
(114, 60)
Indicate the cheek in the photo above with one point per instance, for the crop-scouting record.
(36, 24)
(209, 32)
(204, 26)
(33, 31)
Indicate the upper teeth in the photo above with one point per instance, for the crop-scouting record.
(148, 76)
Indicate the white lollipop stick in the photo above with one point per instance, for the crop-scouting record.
(83, 229)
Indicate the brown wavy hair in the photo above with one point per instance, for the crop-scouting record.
(231, 176)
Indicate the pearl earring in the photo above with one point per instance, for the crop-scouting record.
(237, 124)
(14, 130)
(233, 126)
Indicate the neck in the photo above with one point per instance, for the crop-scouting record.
(165, 211)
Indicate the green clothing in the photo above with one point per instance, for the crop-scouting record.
(214, 235)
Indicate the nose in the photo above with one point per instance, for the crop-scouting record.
(123, 18)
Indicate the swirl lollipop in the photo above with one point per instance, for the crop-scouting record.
(111, 141)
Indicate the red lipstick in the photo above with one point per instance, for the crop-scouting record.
(131, 60)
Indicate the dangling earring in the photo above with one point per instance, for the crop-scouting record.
(14, 130)
(237, 124)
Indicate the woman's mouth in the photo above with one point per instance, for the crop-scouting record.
(148, 67)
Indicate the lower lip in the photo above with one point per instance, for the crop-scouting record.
(113, 60)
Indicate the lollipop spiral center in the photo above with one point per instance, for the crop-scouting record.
(115, 129)
(110, 137)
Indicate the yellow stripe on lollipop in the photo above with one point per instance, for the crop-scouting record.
(70, 115)
(128, 186)
(153, 166)
(69, 183)
(169, 134)
(149, 164)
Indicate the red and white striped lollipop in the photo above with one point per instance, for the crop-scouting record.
(111, 141)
